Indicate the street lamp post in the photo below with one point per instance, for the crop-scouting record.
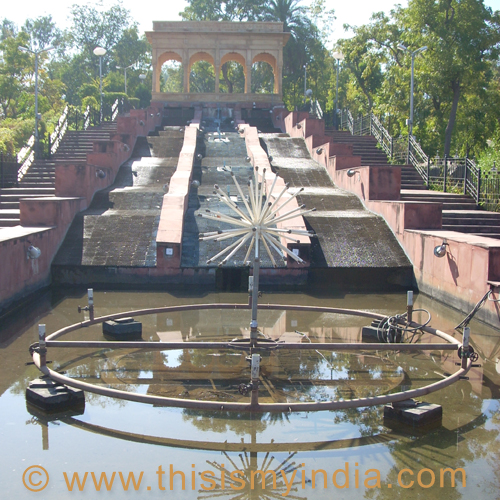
(413, 54)
(36, 53)
(305, 82)
(99, 51)
(340, 57)
(125, 69)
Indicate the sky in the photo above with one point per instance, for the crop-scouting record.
(353, 12)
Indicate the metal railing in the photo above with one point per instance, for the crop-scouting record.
(69, 119)
(489, 197)
(448, 174)
(316, 109)
(25, 157)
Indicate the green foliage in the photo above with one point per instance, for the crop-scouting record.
(143, 94)
(97, 28)
(262, 78)
(232, 78)
(43, 33)
(457, 80)
(171, 77)
(69, 72)
(215, 10)
(91, 101)
(7, 141)
(456, 92)
(134, 102)
(14, 133)
(202, 78)
(111, 97)
(491, 154)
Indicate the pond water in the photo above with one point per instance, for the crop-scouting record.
(217, 454)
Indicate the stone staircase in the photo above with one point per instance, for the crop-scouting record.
(39, 181)
(460, 212)
(366, 147)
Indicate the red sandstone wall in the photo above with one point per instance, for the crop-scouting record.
(169, 237)
(45, 221)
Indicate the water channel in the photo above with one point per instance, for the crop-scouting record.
(360, 456)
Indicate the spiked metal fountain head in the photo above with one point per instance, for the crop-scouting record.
(255, 222)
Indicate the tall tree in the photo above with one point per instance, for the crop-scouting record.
(216, 10)
(97, 28)
(43, 32)
(462, 36)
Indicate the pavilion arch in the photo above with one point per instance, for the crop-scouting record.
(240, 59)
(169, 55)
(196, 57)
(271, 60)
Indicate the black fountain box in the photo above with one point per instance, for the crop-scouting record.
(51, 396)
(122, 329)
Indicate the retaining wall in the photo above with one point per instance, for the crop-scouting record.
(45, 220)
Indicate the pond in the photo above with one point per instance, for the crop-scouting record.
(150, 451)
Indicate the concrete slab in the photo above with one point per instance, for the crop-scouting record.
(413, 413)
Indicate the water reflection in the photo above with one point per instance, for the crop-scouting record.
(117, 434)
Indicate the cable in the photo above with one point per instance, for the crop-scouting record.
(392, 327)
(469, 316)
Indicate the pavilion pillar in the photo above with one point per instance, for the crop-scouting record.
(185, 81)
(156, 73)
(278, 79)
(248, 75)
(217, 75)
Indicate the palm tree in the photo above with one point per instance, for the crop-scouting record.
(286, 11)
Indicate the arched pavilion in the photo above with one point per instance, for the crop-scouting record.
(217, 42)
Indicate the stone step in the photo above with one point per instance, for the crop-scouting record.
(438, 199)
(9, 205)
(349, 136)
(78, 143)
(411, 175)
(488, 235)
(368, 148)
(371, 154)
(9, 222)
(19, 191)
(420, 187)
(40, 175)
(449, 206)
(436, 195)
(370, 162)
(14, 198)
(42, 170)
(471, 214)
(474, 228)
(413, 184)
(75, 147)
(33, 184)
(379, 160)
(9, 213)
(470, 221)
(71, 153)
